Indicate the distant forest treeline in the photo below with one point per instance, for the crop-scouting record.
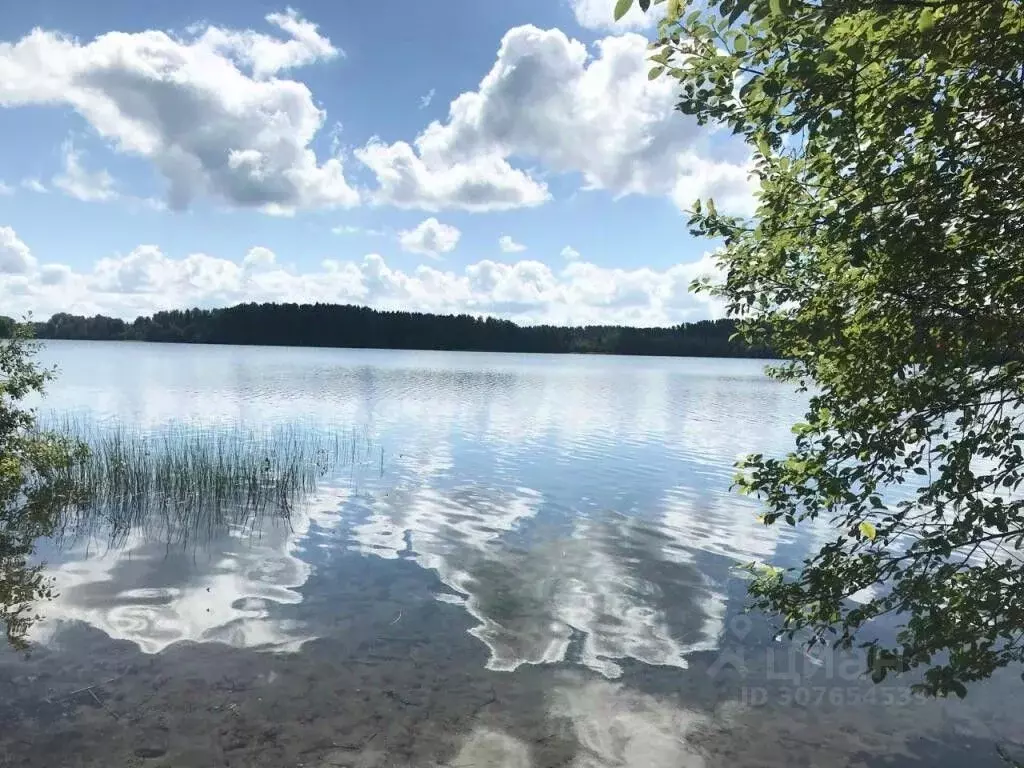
(332, 325)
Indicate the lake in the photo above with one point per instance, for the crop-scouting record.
(527, 561)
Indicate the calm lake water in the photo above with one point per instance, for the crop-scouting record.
(530, 561)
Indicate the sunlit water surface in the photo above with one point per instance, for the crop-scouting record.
(530, 561)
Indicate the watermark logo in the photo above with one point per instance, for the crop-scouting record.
(785, 672)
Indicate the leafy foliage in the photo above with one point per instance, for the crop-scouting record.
(333, 325)
(30, 462)
(885, 264)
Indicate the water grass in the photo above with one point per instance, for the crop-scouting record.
(189, 480)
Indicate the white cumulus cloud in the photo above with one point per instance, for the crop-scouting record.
(216, 114)
(430, 238)
(485, 182)
(600, 14)
(76, 181)
(549, 99)
(210, 109)
(147, 279)
(570, 254)
(259, 258)
(15, 256)
(269, 56)
(54, 274)
(508, 245)
(34, 185)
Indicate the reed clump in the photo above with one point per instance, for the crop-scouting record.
(187, 478)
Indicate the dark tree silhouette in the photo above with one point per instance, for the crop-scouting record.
(332, 325)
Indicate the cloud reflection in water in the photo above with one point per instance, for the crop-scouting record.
(610, 578)
(223, 588)
(505, 470)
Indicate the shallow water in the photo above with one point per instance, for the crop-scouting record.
(535, 566)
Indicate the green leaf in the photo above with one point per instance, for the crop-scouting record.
(925, 20)
(622, 8)
(867, 530)
(740, 43)
(673, 10)
(775, 6)
(738, 10)
(655, 73)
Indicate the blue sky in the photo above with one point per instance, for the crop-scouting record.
(457, 156)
